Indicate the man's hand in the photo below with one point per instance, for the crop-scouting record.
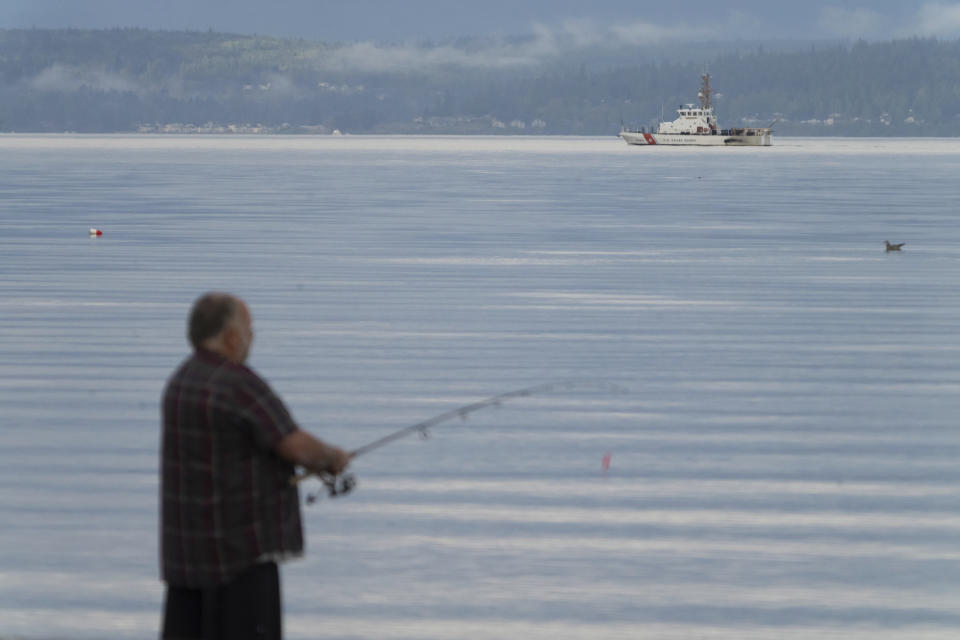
(339, 460)
(312, 454)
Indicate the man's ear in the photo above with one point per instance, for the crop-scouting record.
(229, 337)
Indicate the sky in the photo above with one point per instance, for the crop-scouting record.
(631, 22)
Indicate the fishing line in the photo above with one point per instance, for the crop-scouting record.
(343, 484)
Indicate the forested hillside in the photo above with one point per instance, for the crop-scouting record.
(138, 80)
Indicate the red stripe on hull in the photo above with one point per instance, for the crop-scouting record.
(649, 138)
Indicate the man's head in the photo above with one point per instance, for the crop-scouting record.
(221, 323)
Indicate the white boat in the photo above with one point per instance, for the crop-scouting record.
(698, 127)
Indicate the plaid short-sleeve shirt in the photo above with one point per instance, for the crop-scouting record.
(226, 500)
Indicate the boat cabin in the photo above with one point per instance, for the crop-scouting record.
(691, 120)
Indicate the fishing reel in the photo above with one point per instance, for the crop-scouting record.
(335, 485)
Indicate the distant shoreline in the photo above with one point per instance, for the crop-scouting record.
(268, 132)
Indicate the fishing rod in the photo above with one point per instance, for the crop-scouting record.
(343, 484)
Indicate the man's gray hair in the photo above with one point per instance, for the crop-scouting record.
(211, 314)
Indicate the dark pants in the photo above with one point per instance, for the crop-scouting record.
(248, 608)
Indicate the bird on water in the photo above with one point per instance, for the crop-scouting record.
(894, 247)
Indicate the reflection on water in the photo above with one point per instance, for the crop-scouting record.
(783, 465)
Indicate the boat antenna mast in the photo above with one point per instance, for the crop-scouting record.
(705, 91)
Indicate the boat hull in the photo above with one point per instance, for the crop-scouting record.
(764, 139)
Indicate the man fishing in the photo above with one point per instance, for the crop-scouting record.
(229, 513)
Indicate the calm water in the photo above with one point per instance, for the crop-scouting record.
(784, 462)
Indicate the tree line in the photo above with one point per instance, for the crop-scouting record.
(123, 80)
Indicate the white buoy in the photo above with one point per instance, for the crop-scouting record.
(95, 233)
